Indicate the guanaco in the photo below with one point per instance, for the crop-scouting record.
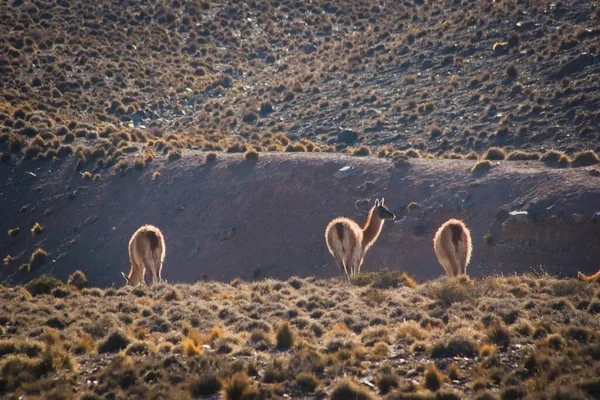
(584, 277)
(453, 247)
(348, 242)
(147, 254)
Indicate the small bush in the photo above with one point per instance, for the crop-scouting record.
(555, 341)
(295, 148)
(78, 279)
(347, 389)
(522, 156)
(386, 382)
(308, 382)
(14, 232)
(239, 387)
(457, 345)
(36, 229)
(42, 285)
(554, 157)
(481, 166)
(116, 341)
(251, 154)
(211, 157)
(511, 71)
(494, 154)
(362, 151)
(174, 155)
(205, 386)
(285, 336)
(499, 334)
(37, 258)
(585, 159)
(433, 378)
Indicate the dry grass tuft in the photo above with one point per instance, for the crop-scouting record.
(433, 378)
(347, 389)
(494, 154)
(481, 166)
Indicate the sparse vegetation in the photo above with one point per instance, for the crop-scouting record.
(481, 166)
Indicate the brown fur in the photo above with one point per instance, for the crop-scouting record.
(453, 247)
(348, 242)
(147, 254)
(584, 277)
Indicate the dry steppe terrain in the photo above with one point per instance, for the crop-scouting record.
(223, 122)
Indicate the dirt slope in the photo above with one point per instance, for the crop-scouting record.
(254, 219)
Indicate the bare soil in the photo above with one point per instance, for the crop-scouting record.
(266, 218)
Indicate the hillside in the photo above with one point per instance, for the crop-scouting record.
(262, 218)
(441, 77)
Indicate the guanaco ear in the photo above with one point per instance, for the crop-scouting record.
(382, 201)
(125, 276)
(376, 202)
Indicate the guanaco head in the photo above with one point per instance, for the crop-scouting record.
(382, 212)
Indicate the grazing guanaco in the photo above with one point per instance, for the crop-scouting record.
(453, 247)
(348, 242)
(146, 253)
(584, 277)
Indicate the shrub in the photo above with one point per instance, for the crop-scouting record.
(205, 386)
(251, 154)
(362, 151)
(78, 279)
(347, 389)
(433, 378)
(285, 337)
(42, 285)
(499, 334)
(511, 71)
(522, 156)
(116, 341)
(295, 148)
(481, 166)
(37, 258)
(14, 232)
(555, 157)
(494, 154)
(211, 157)
(386, 382)
(36, 229)
(308, 382)
(585, 159)
(174, 155)
(239, 387)
(457, 345)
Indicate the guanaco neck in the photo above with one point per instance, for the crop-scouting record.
(371, 229)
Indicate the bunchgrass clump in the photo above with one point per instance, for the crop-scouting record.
(251, 154)
(78, 279)
(494, 154)
(347, 389)
(36, 229)
(42, 285)
(239, 387)
(116, 341)
(481, 166)
(433, 378)
(308, 382)
(285, 336)
(585, 159)
(519, 155)
(211, 156)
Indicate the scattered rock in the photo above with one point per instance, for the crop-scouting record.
(595, 218)
(348, 136)
(578, 64)
(344, 172)
(577, 218)
(520, 216)
(228, 234)
(309, 48)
